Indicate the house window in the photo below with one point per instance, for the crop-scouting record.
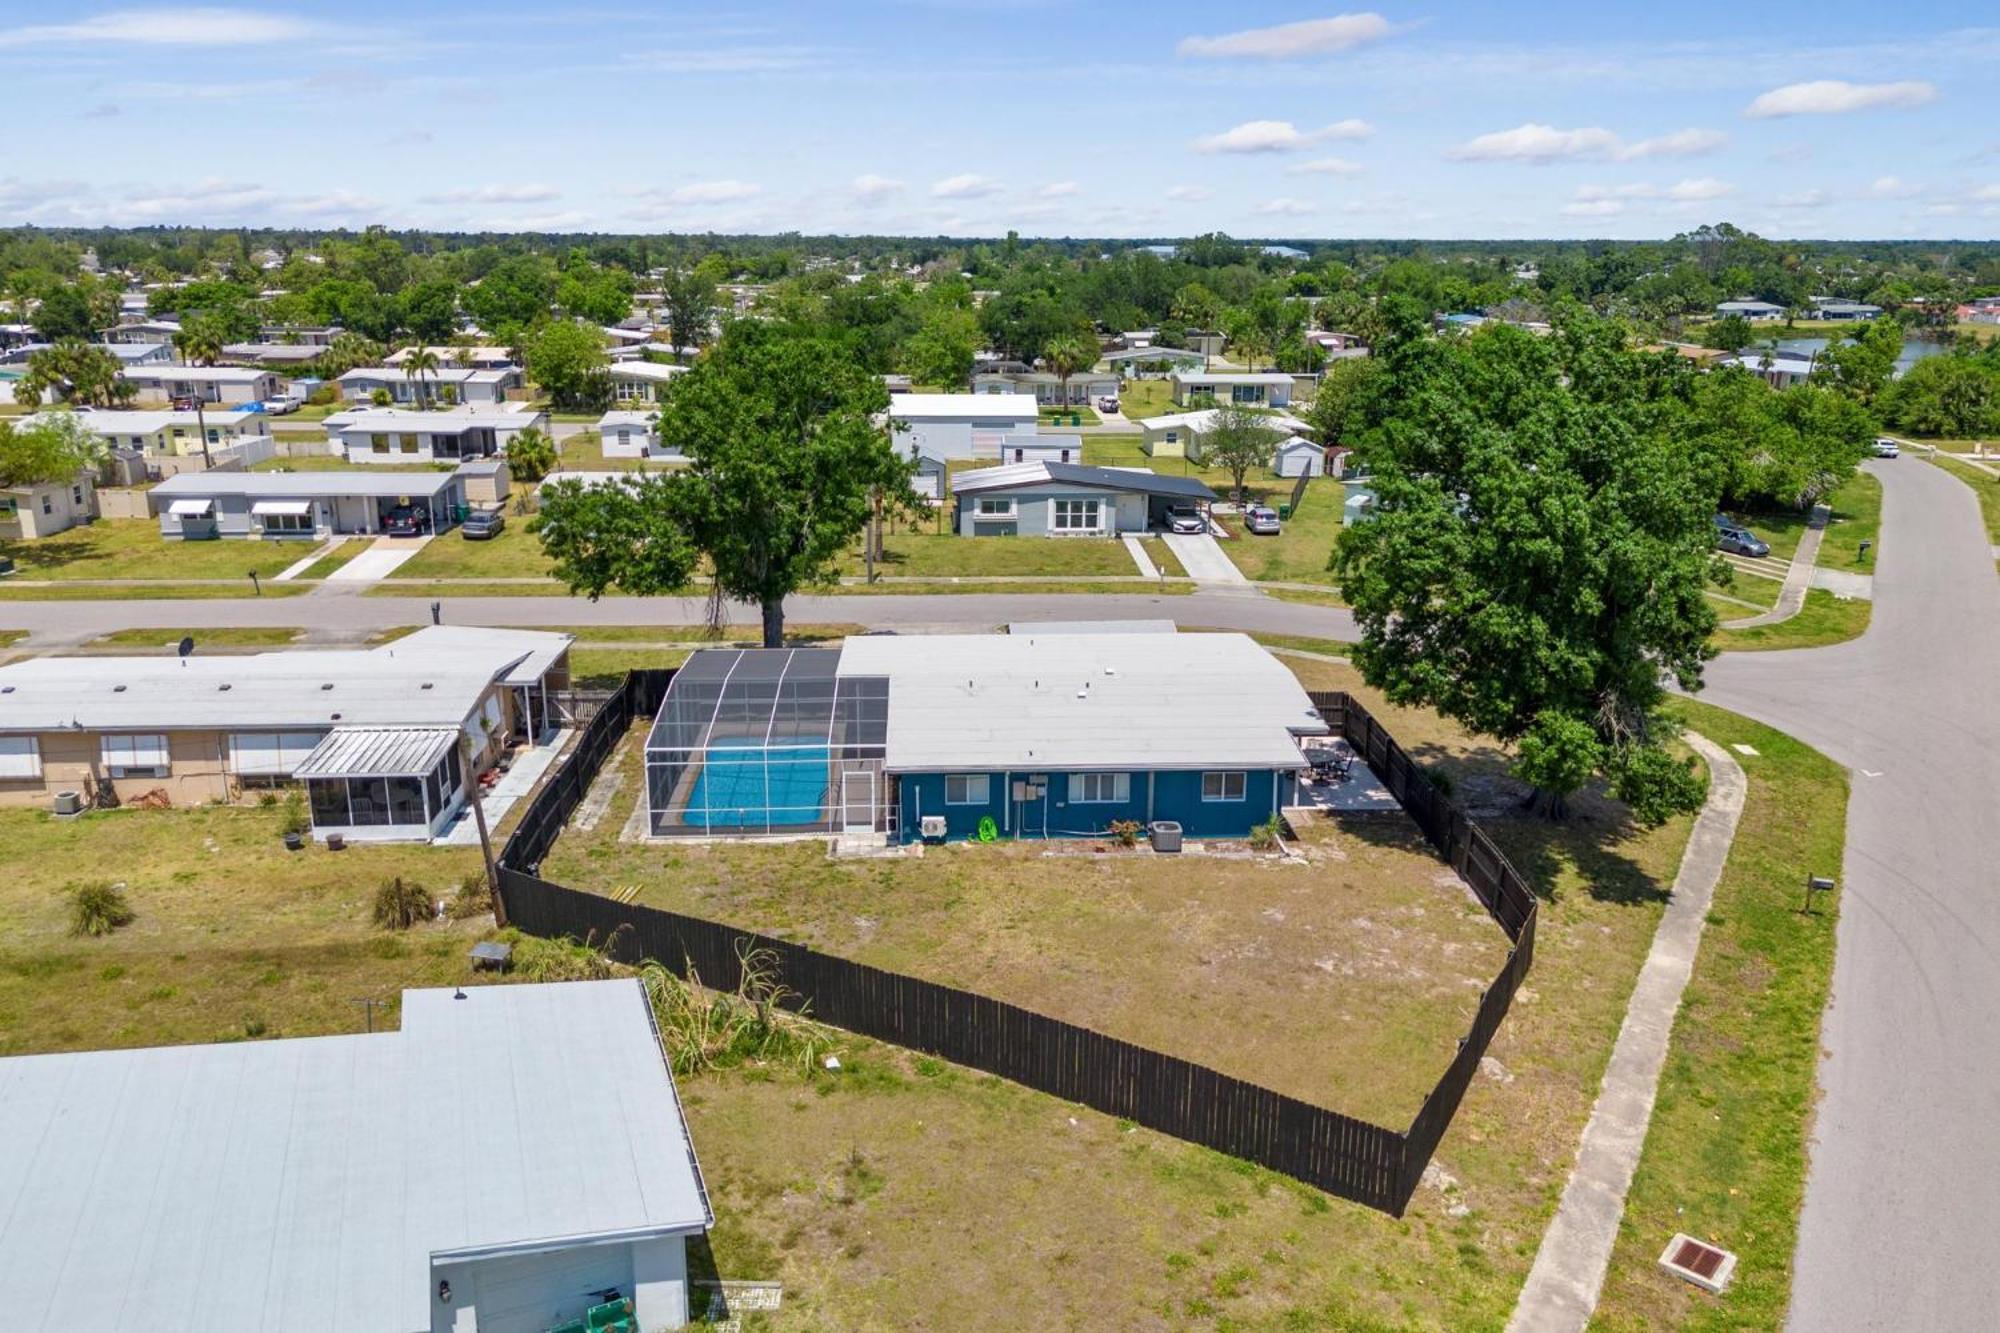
(991, 507)
(409, 443)
(1100, 788)
(287, 522)
(379, 443)
(1222, 786)
(139, 755)
(20, 757)
(967, 789)
(1173, 437)
(1246, 393)
(48, 503)
(1076, 515)
(76, 495)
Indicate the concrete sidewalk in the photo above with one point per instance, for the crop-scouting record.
(1562, 1287)
(1792, 597)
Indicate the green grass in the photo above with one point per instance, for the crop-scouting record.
(120, 592)
(1824, 619)
(1163, 558)
(1856, 517)
(1057, 417)
(514, 553)
(1145, 398)
(1986, 488)
(604, 668)
(948, 555)
(132, 548)
(334, 559)
(1725, 1157)
(234, 936)
(237, 636)
(1299, 553)
(584, 452)
(1124, 451)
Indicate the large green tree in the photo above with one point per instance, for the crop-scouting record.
(1537, 556)
(567, 360)
(689, 296)
(1237, 439)
(51, 447)
(787, 461)
(1788, 448)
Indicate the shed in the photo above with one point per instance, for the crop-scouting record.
(1296, 456)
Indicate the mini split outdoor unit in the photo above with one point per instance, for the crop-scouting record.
(932, 826)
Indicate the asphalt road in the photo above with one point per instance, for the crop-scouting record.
(1902, 1218)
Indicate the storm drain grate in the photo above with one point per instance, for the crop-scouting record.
(1699, 1262)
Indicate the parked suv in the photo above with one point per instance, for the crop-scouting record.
(1107, 404)
(1736, 539)
(407, 521)
(1262, 520)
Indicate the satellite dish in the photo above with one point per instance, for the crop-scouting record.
(187, 644)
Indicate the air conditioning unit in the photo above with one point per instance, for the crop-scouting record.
(69, 802)
(932, 826)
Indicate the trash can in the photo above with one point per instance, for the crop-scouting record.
(1166, 835)
(1284, 511)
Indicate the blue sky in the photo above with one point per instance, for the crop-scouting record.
(1832, 119)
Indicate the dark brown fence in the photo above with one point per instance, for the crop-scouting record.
(1354, 1159)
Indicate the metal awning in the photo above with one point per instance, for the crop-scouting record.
(378, 752)
(190, 508)
(282, 507)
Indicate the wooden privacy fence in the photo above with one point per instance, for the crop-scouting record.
(1342, 1155)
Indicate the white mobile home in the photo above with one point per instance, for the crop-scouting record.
(231, 385)
(959, 425)
(641, 381)
(1047, 388)
(309, 506)
(177, 434)
(631, 435)
(1044, 499)
(470, 387)
(394, 435)
(498, 1163)
(1263, 388)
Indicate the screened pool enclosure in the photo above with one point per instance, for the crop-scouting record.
(768, 741)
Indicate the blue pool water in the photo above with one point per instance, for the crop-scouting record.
(748, 786)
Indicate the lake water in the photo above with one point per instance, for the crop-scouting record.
(1914, 349)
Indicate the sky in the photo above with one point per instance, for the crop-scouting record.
(1610, 119)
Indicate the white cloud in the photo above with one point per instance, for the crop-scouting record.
(1289, 41)
(1189, 194)
(167, 27)
(1545, 143)
(495, 194)
(1892, 187)
(1827, 97)
(870, 188)
(1060, 190)
(1324, 166)
(1277, 136)
(1700, 189)
(1285, 208)
(1593, 208)
(713, 192)
(1803, 199)
(1987, 193)
(968, 185)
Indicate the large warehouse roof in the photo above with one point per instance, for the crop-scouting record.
(981, 702)
(309, 1184)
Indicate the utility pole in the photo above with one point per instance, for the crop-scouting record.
(485, 837)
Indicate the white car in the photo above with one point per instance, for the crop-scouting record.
(279, 407)
(1887, 448)
(1186, 519)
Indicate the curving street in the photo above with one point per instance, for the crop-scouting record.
(1900, 1230)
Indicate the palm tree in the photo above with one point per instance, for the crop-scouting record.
(418, 362)
(200, 344)
(1067, 355)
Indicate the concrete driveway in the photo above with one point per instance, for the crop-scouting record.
(1901, 1229)
(1204, 559)
(380, 560)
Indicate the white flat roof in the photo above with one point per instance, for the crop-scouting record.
(114, 421)
(309, 1184)
(622, 418)
(952, 406)
(306, 485)
(444, 421)
(987, 702)
(442, 375)
(1205, 420)
(432, 678)
(1233, 377)
(197, 374)
(653, 372)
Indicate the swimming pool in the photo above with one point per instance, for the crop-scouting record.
(750, 786)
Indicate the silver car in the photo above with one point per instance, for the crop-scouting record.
(1262, 520)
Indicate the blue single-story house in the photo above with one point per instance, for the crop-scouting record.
(1044, 497)
(1046, 734)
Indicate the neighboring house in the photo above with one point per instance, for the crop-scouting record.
(641, 381)
(309, 1182)
(143, 331)
(373, 733)
(1209, 342)
(959, 425)
(471, 387)
(303, 335)
(896, 383)
(1825, 307)
(1178, 434)
(1336, 344)
(482, 358)
(1038, 735)
(1357, 502)
(1153, 362)
(142, 354)
(229, 385)
(42, 509)
(1261, 388)
(290, 356)
(447, 435)
(1750, 309)
(177, 434)
(1041, 449)
(307, 506)
(1047, 388)
(627, 434)
(1781, 370)
(1044, 499)
(1296, 456)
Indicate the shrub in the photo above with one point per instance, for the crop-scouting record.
(1267, 835)
(295, 819)
(473, 898)
(98, 908)
(760, 1020)
(1126, 831)
(400, 905)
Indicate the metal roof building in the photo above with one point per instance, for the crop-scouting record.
(1137, 480)
(510, 1152)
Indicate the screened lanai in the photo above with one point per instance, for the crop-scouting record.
(768, 741)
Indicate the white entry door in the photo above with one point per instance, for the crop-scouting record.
(857, 801)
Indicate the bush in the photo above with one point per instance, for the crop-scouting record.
(1126, 831)
(1266, 836)
(98, 908)
(400, 905)
(295, 819)
(761, 1020)
(473, 898)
